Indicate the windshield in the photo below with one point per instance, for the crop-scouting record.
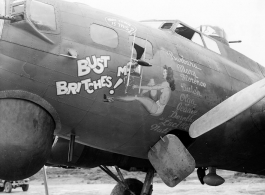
(17, 9)
(213, 31)
(42, 15)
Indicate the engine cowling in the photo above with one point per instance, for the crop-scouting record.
(26, 135)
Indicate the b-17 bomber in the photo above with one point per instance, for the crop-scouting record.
(84, 88)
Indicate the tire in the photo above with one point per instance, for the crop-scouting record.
(134, 185)
(8, 187)
(2, 189)
(25, 187)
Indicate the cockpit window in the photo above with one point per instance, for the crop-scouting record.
(104, 36)
(189, 33)
(42, 16)
(166, 26)
(184, 31)
(196, 38)
(16, 9)
(213, 31)
(211, 44)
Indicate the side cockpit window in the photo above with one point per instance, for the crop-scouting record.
(18, 7)
(17, 10)
(142, 49)
(184, 31)
(42, 15)
(196, 38)
(104, 36)
(166, 26)
(141, 45)
(189, 33)
(211, 44)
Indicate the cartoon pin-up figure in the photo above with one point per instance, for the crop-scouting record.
(155, 108)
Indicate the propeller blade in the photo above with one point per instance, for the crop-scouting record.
(228, 109)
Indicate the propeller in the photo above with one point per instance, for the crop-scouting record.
(228, 109)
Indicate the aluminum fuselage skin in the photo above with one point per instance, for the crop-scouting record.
(202, 78)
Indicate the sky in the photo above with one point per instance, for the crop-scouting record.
(241, 19)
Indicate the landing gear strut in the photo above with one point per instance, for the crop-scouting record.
(148, 183)
(131, 186)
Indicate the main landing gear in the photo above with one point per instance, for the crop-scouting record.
(131, 186)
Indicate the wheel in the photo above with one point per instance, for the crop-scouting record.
(25, 187)
(2, 189)
(8, 187)
(134, 185)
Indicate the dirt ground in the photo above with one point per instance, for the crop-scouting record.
(96, 182)
(250, 188)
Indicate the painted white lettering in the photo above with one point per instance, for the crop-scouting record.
(189, 118)
(86, 82)
(109, 82)
(186, 62)
(78, 87)
(103, 81)
(190, 89)
(97, 84)
(90, 64)
(90, 89)
(83, 68)
(62, 88)
(192, 80)
(99, 66)
(187, 99)
(122, 70)
(72, 87)
(105, 60)
(158, 129)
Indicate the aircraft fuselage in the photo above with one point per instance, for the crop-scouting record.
(68, 65)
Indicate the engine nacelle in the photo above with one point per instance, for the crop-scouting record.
(26, 135)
